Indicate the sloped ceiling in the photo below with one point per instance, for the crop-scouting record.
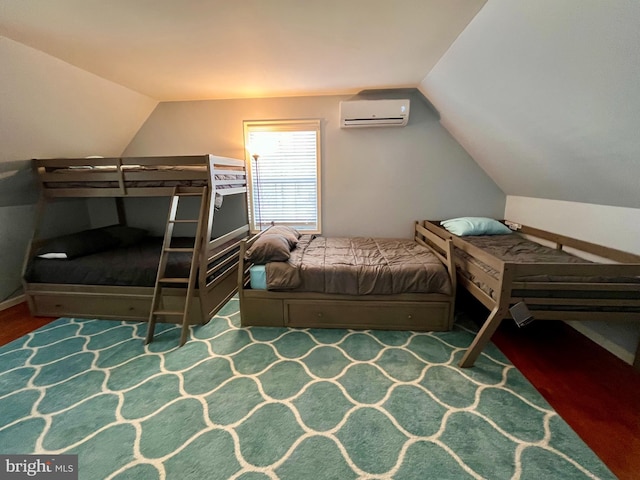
(195, 50)
(545, 96)
(49, 108)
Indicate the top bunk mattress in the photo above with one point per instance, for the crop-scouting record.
(135, 176)
(139, 176)
(359, 266)
(515, 248)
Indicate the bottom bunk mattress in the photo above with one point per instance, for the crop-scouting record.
(359, 266)
(135, 265)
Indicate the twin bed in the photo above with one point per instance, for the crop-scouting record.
(397, 284)
(115, 277)
(506, 271)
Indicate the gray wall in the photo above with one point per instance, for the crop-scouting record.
(375, 181)
(17, 226)
(18, 223)
(49, 108)
(151, 213)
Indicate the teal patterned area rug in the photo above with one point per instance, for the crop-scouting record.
(275, 403)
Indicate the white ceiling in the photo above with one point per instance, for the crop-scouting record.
(197, 49)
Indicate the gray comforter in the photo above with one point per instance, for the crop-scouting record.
(359, 266)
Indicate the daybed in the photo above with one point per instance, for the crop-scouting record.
(360, 283)
(117, 279)
(503, 270)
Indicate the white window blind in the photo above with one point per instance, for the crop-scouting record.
(284, 187)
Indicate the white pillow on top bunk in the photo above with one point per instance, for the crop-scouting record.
(475, 226)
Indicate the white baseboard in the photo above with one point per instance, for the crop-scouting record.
(12, 301)
(604, 342)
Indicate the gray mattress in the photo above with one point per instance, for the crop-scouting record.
(136, 265)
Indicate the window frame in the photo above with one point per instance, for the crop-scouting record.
(282, 126)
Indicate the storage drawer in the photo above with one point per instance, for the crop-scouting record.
(92, 306)
(116, 307)
(425, 316)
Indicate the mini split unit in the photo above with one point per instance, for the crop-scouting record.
(374, 113)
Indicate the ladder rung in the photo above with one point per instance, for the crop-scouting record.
(189, 194)
(168, 312)
(173, 249)
(174, 280)
(184, 221)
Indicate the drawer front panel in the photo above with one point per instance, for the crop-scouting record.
(375, 315)
(92, 306)
(111, 307)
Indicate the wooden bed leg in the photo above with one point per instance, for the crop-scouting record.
(482, 337)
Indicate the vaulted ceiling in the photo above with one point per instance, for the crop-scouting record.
(195, 50)
(542, 94)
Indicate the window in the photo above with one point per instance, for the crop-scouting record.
(284, 187)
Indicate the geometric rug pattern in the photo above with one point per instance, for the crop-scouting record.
(278, 403)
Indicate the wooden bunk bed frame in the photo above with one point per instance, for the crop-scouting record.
(510, 288)
(204, 175)
(407, 311)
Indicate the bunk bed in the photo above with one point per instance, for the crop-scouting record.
(125, 275)
(349, 291)
(516, 277)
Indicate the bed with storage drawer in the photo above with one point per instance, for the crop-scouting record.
(532, 274)
(311, 281)
(111, 272)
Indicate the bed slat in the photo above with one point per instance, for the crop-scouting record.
(576, 269)
(477, 253)
(572, 301)
(584, 316)
(593, 248)
(612, 287)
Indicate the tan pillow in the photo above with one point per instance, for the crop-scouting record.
(269, 248)
(291, 234)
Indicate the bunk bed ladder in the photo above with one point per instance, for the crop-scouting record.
(162, 282)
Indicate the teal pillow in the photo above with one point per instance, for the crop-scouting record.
(475, 226)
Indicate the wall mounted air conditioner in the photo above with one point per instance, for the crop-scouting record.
(374, 113)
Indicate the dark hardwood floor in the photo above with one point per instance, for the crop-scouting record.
(596, 393)
(17, 321)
